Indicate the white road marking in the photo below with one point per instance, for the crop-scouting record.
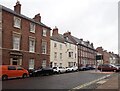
(101, 82)
(89, 83)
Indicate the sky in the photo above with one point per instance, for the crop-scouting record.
(92, 20)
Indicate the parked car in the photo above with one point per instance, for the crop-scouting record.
(59, 69)
(41, 71)
(83, 68)
(118, 65)
(71, 69)
(89, 67)
(12, 71)
(108, 67)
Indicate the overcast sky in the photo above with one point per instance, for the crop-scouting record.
(93, 20)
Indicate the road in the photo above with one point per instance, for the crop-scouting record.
(60, 81)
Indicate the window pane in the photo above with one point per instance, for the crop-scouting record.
(44, 47)
(31, 64)
(44, 32)
(17, 22)
(11, 68)
(32, 45)
(44, 63)
(32, 27)
(16, 43)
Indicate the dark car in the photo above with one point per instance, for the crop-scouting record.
(108, 67)
(83, 68)
(40, 72)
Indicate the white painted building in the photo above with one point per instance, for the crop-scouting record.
(63, 53)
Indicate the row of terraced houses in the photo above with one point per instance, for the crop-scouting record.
(28, 42)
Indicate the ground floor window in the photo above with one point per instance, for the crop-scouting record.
(70, 64)
(31, 64)
(60, 64)
(44, 63)
(55, 64)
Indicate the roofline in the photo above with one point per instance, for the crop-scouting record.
(23, 16)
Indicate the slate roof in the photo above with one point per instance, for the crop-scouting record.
(60, 38)
(80, 42)
(23, 16)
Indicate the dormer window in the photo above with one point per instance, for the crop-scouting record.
(32, 27)
(17, 22)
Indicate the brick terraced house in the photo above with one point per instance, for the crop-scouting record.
(86, 51)
(24, 41)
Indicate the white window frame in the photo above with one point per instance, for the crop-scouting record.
(17, 22)
(44, 63)
(31, 46)
(70, 54)
(44, 47)
(16, 42)
(55, 45)
(60, 46)
(44, 32)
(32, 27)
(55, 55)
(31, 63)
(61, 56)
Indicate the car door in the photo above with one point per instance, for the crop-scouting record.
(20, 71)
(11, 71)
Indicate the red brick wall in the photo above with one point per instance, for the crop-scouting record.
(7, 26)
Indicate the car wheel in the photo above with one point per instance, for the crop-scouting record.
(24, 75)
(59, 72)
(4, 77)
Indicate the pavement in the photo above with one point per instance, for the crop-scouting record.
(111, 83)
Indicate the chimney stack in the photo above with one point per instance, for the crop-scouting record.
(17, 7)
(37, 18)
(67, 34)
(55, 31)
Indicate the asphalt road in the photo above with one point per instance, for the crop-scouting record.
(61, 81)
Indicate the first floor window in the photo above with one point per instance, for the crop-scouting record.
(31, 64)
(32, 45)
(44, 47)
(44, 63)
(55, 55)
(60, 55)
(16, 42)
(70, 54)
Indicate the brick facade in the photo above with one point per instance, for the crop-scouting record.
(24, 32)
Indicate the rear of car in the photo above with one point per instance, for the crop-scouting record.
(12, 71)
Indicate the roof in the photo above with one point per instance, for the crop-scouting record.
(60, 38)
(84, 43)
(76, 39)
(25, 17)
